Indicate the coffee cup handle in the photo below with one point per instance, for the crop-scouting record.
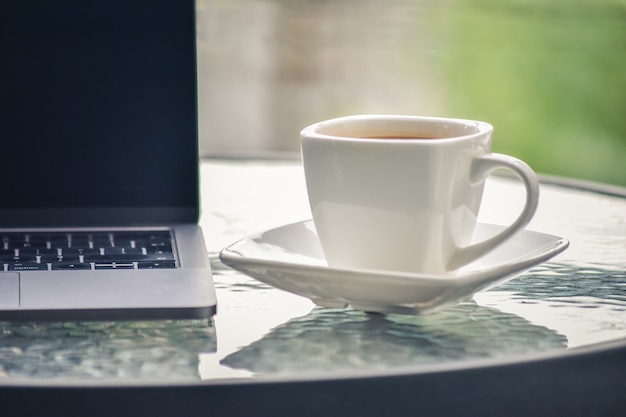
(482, 167)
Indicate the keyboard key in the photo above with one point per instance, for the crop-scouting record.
(68, 266)
(112, 258)
(50, 258)
(39, 242)
(114, 265)
(69, 258)
(110, 266)
(101, 240)
(164, 248)
(36, 251)
(135, 251)
(8, 257)
(113, 251)
(80, 251)
(123, 251)
(160, 257)
(79, 242)
(18, 259)
(59, 243)
(27, 266)
(156, 264)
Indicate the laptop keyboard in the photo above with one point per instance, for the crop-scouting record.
(44, 251)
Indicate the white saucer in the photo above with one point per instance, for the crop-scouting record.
(290, 258)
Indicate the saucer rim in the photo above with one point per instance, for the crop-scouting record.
(340, 288)
(559, 244)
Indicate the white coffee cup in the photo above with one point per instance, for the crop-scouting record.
(402, 193)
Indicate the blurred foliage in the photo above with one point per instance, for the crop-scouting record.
(550, 76)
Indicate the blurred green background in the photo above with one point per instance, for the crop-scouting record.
(550, 75)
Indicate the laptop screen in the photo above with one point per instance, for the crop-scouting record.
(99, 111)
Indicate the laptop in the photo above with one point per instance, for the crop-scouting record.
(99, 200)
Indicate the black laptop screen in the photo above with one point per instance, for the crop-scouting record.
(98, 104)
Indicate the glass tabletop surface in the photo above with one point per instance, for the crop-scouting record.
(575, 300)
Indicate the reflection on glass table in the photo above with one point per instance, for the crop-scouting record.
(104, 350)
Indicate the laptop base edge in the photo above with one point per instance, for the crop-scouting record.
(106, 314)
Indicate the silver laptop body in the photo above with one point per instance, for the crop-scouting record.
(99, 149)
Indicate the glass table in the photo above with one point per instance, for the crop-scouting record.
(552, 341)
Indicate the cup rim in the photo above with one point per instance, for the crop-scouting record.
(480, 128)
